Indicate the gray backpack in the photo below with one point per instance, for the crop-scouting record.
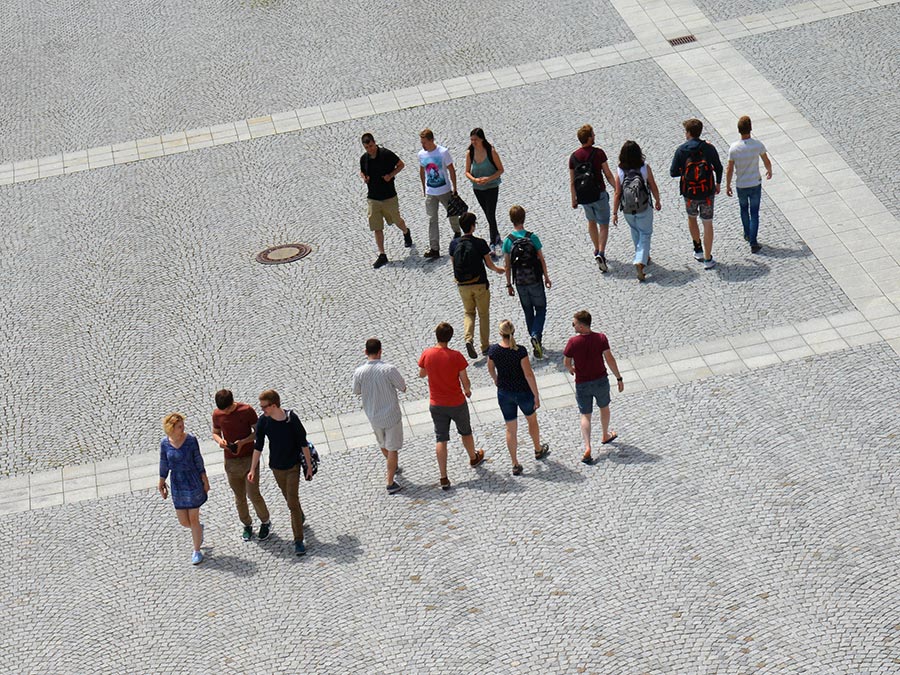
(635, 194)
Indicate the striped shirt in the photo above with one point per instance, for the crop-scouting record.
(378, 383)
(745, 155)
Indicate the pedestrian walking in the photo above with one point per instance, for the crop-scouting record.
(180, 460)
(526, 267)
(513, 376)
(234, 430)
(287, 440)
(588, 166)
(378, 383)
(438, 176)
(696, 163)
(585, 354)
(484, 168)
(743, 161)
(378, 167)
(634, 185)
(470, 256)
(448, 389)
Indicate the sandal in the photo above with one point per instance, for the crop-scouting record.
(587, 459)
(445, 483)
(479, 458)
(517, 470)
(545, 450)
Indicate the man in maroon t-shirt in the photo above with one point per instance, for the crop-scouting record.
(234, 429)
(587, 167)
(584, 357)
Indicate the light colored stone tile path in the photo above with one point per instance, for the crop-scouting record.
(740, 353)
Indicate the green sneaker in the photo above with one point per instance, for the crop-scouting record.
(248, 532)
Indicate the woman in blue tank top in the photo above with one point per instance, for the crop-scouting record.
(484, 168)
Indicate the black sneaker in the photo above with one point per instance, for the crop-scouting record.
(698, 252)
(380, 261)
(601, 262)
(431, 254)
(755, 248)
(247, 533)
(264, 530)
(407, 238)
(470, 349)
(394, 488)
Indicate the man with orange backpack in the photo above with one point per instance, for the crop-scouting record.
(698, 165)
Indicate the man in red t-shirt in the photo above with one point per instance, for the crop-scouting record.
(587, 167)
(234, 429)
(584, 357)
(448, 389)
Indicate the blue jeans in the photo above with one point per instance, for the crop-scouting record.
(749, 198)
(641, 225)
(513, 401)
(598, 211)
(534, 304)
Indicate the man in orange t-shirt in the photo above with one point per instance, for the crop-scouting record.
(448, 389)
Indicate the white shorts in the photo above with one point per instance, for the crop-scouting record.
(390, 438)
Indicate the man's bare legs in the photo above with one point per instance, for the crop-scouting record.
(707, 238)
(586, 435)
(440, 449)
(379, 234)
(393, 460)
(599, 235)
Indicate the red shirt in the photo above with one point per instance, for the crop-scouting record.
(443, 366)
(599, 158)
(587, 350)
(235, 426)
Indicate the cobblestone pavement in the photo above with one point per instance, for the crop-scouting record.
(718, 10)
(109, 71)
(161, 261)
(794, 60)
(741, 526)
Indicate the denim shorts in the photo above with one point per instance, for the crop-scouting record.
(701, 207)
(598, 211)
(442, 415)
(513, 401)
(588, 392)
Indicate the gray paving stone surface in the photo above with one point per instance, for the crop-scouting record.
(77, 75)
(741, 525)
(733, 9)
(133, 291)
(856, 102)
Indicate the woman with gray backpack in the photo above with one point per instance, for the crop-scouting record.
(634, 185)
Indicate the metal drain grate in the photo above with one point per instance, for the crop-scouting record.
(284, 253)
(683, 40)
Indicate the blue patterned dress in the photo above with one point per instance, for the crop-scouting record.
(186, 466)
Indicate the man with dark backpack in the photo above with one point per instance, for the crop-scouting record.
(527, 268)
(697, 164)
(587, 167)
(470, 255)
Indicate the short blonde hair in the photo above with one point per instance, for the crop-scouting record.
(506, 330)
(170, 420)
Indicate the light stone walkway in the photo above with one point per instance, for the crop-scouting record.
(740, 353)
(653, 23)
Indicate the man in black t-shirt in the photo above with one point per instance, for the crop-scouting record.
(377, 168)
(470, 255)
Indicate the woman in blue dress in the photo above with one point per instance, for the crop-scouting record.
(179, 456)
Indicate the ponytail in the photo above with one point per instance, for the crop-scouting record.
(507, 329)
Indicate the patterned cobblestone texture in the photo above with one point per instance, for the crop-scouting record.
(858, 98)
(732, 9)
(76, 76)
(134, 291)
(741, 525)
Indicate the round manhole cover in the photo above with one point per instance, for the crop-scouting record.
(284, 253)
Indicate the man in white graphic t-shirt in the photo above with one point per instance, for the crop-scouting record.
(743, 160)
(438, 176)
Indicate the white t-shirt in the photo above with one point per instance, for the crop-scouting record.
(745, 155)
(435, 163)
(643, 175)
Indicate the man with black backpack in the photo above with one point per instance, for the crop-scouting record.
(697, 163)
(587, 167)
(526, 266)
(470, 255)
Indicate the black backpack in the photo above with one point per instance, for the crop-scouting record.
(467, 264)
(697, 179)
(587, 186)
(524, 260)
(635, 194)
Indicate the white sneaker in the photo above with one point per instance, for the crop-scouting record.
(709, 264)
(196, 558)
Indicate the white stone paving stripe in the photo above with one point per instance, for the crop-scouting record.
(753, 350)
(652, 23)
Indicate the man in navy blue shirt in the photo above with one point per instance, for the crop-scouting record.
(695, 162)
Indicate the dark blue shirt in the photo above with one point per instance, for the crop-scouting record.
(510, 376)
(286, 438)
(686, 149)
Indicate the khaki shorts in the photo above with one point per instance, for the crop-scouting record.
(390, 438)
(383, 211)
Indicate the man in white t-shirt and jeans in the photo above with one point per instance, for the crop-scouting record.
(438, 176)
(743, 159)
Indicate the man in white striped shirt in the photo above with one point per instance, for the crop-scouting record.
(378, 383)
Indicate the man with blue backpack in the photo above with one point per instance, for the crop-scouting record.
(697, 164)
(527, 268)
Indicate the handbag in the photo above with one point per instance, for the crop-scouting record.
(456, 206)
(314, 455)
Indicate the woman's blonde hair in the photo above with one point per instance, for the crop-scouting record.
(170, 420)
(506, 330)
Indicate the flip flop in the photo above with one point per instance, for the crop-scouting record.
(587, 459)
(610, 439)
